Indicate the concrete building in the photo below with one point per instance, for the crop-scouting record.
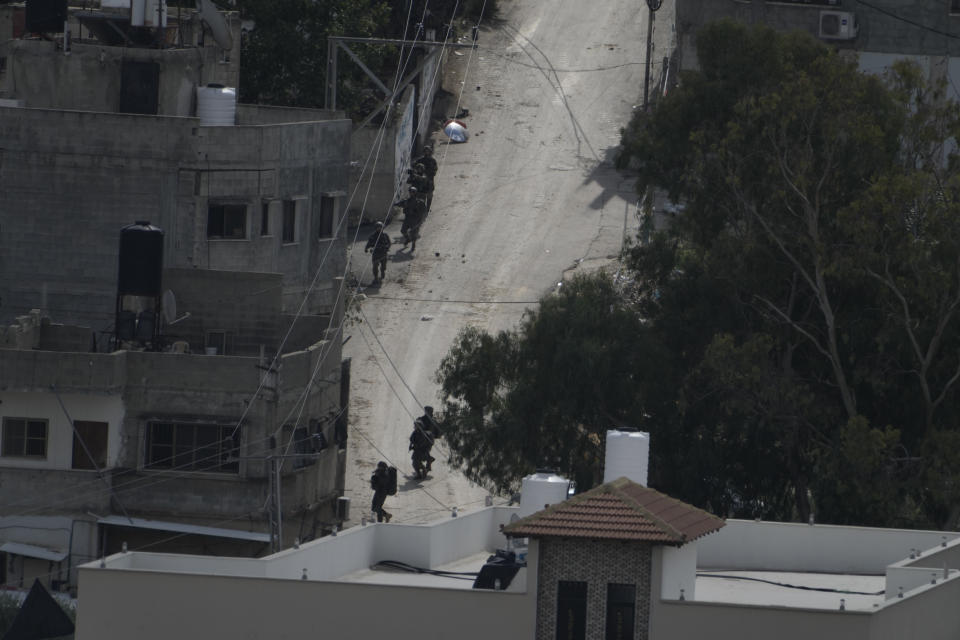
(741, 579)
(878, 32)
(101, 136)
(223, 433)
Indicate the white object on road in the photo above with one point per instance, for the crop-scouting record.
(456, 130)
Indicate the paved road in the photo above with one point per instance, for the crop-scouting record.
(531, 197)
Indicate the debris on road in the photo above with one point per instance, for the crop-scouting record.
(456, 130)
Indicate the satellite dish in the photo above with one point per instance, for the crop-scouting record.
(169, 305)
(215, 22)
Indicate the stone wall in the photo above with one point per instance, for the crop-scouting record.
(597, 563)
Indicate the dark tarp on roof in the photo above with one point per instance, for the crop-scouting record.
(40, 618)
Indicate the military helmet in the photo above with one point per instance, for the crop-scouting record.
(413, 189)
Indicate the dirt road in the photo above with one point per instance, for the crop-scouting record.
(532, 196)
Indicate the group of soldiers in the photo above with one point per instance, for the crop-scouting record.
(384, 479)
(415, 207)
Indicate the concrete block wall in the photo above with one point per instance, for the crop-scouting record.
(70, 182)
(242, 304)
(83, 176)
(597, 563)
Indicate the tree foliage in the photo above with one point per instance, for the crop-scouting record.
(284, 56)
(794, 345)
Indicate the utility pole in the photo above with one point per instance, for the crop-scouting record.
(652, 5)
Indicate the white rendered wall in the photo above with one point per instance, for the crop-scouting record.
(95, 408)
(355, 549)
(780, 546)
(678, 571)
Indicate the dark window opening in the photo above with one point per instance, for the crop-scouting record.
(327, 208)
(303, 446)
(621, 605)
(94, 436)
(954, 6)
(217, 343)
(289, 221)
(265, 219)
(193, 447)
(571, 610)
(227, 221)
(139, 87)
(24, 438)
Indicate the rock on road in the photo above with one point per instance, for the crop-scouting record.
(530, 197)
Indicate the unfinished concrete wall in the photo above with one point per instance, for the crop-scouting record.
(83, 176)
(240, 305)
(70, 181)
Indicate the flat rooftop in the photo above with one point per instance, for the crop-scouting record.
(452, 575)
(791, 589)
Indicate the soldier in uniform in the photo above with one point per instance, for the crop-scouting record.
(414, 211)
(380, 483)
(429, 162)
(379, 242)
(425, 433)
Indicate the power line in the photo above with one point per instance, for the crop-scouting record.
(439, 301)
(893, 15)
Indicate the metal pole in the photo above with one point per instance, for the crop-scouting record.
(276, 484)
(646, 75)
(652, 5)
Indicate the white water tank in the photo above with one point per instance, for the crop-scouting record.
(627, 455)
(540, 489)
(216, 106)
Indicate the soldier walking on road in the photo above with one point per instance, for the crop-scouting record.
(414, 211)
(380, 483)
(425, 432)
(379, 241)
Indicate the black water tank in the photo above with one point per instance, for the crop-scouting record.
(141, 260)
(45, 16)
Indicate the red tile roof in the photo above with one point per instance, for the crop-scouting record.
(619, 510)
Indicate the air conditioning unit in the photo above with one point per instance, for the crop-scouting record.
(838, 25)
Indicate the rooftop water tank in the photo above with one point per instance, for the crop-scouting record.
(140, 270)
(540, 489)
(627, 455)
(217, 106)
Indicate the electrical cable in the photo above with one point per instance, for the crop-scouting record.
(409, 568)
(382, 297)
(801, 587)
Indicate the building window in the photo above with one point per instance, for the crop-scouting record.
(216, 343)
(303, 446)
(24, 438)
(621, 599)
(289, 221)
(193, 447)
(265, 219)
(327, 209)
(571, 610)
(954, 6)
(89, 445)
(227, 221)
